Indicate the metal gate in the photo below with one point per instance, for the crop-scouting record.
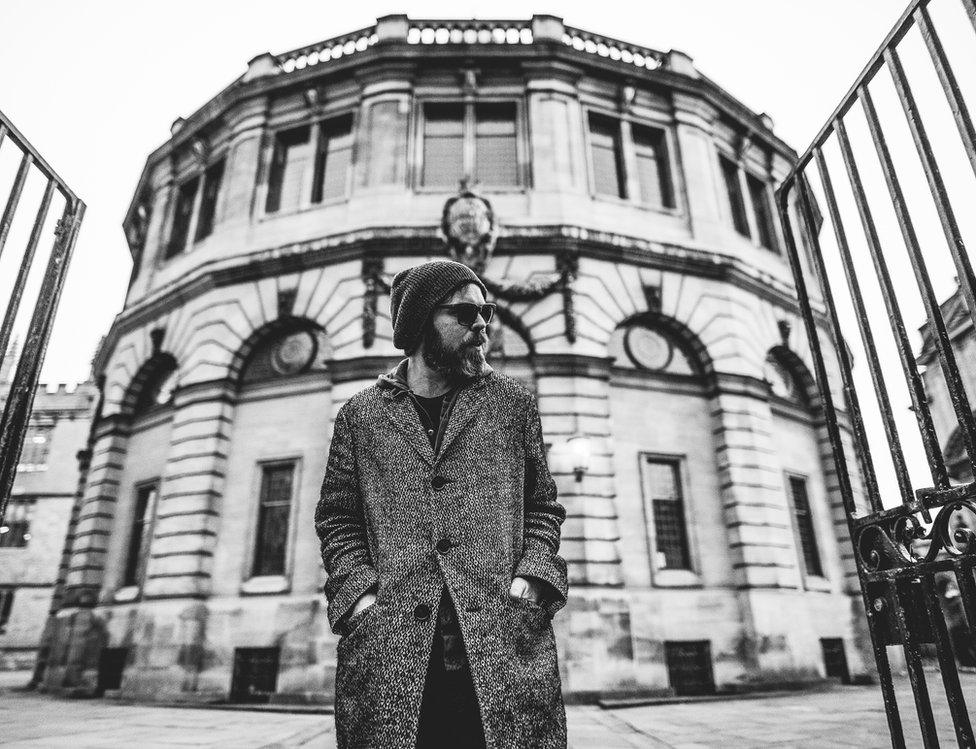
(33, 177)
(912, 520)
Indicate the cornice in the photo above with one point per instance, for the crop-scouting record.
(400, 242)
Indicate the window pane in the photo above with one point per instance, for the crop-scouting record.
(670, 536)
(208, 203)
(333, 159)
(273, 515)
(6, 604)
(804, 526)
(185, 196)
(37, 444)
(443, 145)
(496, 150)
(15, 531)
(763, 212)
(384, 149)
(139, 539)
(607, 157)
(291, 154)
(652, 167)
(730, 173)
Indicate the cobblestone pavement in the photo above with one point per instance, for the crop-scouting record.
(841, 717)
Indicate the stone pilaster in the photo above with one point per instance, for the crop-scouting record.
(191, 490)
(96, 516)
(571, 402)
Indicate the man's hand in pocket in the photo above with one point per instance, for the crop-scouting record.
(523, 587)
(365, 601)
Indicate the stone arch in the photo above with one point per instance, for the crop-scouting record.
(808, 393)
(689, 344)
(148, 378)
(272, 331)
(511, 349)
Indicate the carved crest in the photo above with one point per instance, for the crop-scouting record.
(468, 225)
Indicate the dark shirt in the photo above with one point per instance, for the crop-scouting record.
(431, 411)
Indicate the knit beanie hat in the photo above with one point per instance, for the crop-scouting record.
(415, 291)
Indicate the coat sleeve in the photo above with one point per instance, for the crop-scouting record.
(543, 516)
(341, 527)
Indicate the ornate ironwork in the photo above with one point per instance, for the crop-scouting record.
(905, 556)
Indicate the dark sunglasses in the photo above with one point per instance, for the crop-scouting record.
(466, 313)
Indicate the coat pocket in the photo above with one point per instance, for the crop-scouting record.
(355, 623)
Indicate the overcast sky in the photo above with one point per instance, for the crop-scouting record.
(96, 84)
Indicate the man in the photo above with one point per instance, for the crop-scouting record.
(440, 530)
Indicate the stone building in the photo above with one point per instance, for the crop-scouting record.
(32, 534)
(619, 205)
(960, 327)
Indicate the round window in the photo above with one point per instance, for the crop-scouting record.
(648, 349)
(293, 353)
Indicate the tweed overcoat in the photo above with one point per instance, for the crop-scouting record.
(482, 511)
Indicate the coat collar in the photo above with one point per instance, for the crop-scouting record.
(402, 413)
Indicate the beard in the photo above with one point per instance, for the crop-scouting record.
(455, 364)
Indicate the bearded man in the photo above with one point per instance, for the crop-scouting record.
(440, 534)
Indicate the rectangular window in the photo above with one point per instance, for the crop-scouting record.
(273, 514)
(141, 534)
(332, 159)
(763, 212)
(37, 445)
(733, 188)
(443, 145)
(292, 151)
(650, 153)
(835, 659)
(496, 144)
(15, 531)
(384, 148)
(6, 604)
(607, 154)
(212, 179)
(663, 492)
(186, 195)
(804, 526)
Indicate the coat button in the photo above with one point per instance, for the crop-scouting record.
(444, 545)
(438, 482)
(421, 612)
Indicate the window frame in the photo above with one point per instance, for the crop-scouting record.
(744, 174)
(628, 160)
(665, 577)
(314, 123)
(199, 174)
(39, 428)
(806, 577)
(7, 594)
(144, 552)
(276, 583)
(30, 502)
(468, 144)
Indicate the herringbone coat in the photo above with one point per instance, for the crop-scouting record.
(387, 508)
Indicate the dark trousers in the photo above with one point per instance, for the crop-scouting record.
(449, 714)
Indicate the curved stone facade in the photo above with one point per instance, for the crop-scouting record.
(643, 294)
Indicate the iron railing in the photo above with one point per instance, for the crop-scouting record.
(20, 396)
(906, 546)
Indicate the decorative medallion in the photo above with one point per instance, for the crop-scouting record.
(293, 353)
(468, 225)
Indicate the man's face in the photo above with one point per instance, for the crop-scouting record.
(455, 350)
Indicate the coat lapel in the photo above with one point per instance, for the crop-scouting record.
(469, 402)
(402, 413)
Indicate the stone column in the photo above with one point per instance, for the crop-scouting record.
(244, 155)
(698, 163)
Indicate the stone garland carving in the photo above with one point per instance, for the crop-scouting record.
(567, 265)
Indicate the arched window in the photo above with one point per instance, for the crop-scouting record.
(286, 352)
(158, 384)
(784, 377)
(641, 347)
